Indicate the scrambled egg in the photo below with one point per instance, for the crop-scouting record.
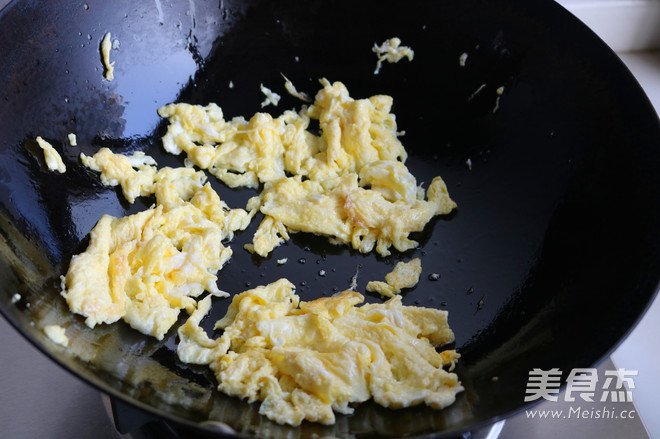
(349, 183)
(106, 46)
(302, 360)
(391, 51)
(404, 275)
(307, 360)
(73, 140)
(144, 268)
(52, 157)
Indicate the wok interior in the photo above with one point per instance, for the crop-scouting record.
(548, 261)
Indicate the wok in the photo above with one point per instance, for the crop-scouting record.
(551, 257)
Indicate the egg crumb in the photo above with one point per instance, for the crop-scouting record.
(106, 46)
(404, 275)
(462, 59)
(15, 298)
(73, 140)
(53, 159)
(282, 261)
(391, 51)
(500, 92)
(272, 98)
(308, 360)
(150, 265)
(57, 334)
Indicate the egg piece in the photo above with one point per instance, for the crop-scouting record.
(272, 98)
(391, 51)
(57, 334)
(106, 46)
(308, 360)
(52, 157)
(392, 180)
(404, 275)
(73, 140)
(148, 266)
(349, 214)
(269, 235)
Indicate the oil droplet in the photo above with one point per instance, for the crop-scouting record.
(66, 99)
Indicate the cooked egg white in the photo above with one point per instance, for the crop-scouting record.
(391, 51)
(73, 140)
(349, 183)
(308, 360)
(404, 275)
(106, 46)
(144, 268)
(52, 157)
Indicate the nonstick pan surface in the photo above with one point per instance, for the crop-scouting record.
(551, 257)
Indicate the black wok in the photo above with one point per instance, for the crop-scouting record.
(551, 257)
